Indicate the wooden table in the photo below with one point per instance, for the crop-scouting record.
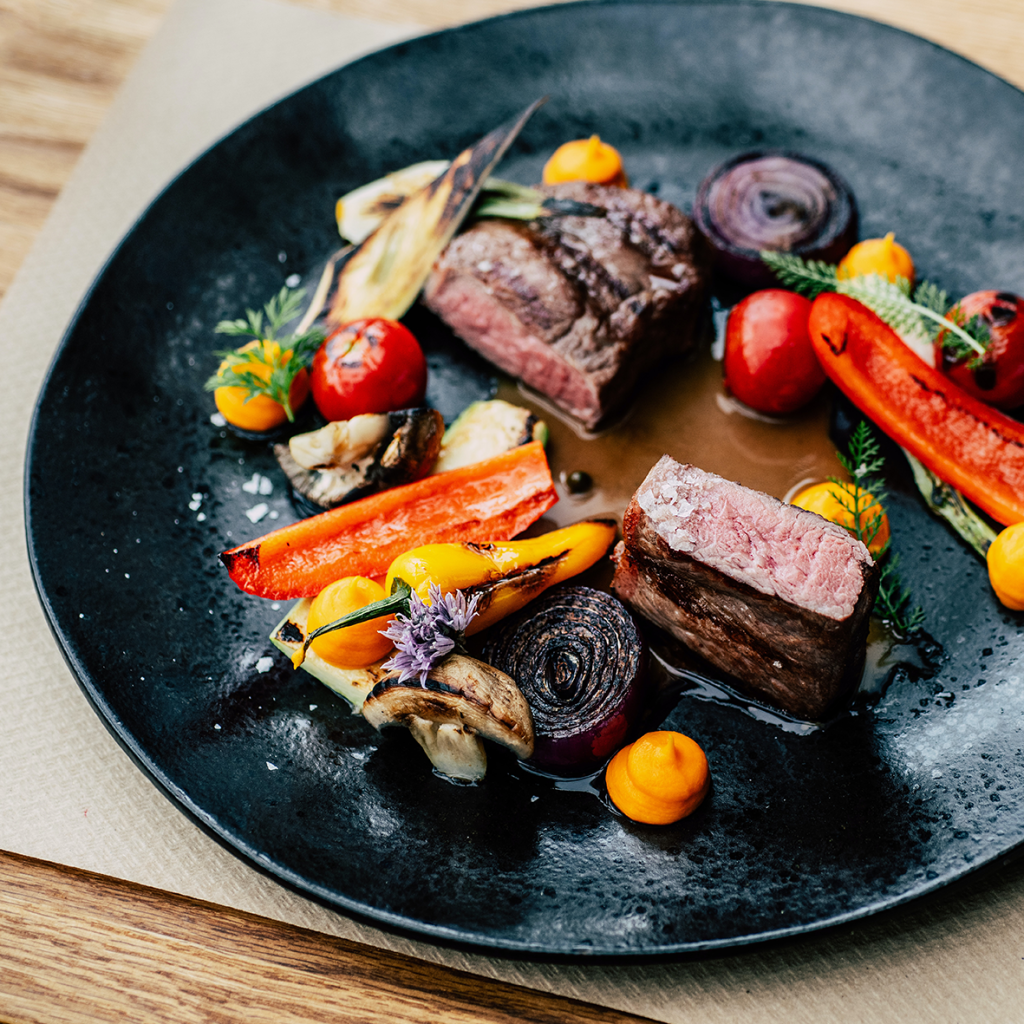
(83, 947)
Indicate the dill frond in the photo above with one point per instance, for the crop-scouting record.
(862, 497)
(270, 366)
(892, 605)
(808, 277)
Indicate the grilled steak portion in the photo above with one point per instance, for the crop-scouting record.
(576, 307)
(777, 597)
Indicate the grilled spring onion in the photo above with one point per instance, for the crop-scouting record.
(360, 212)
(948, 503)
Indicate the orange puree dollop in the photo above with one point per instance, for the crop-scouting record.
(883, 256)
(659, 779)
(586, 160)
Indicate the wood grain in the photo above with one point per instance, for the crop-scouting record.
(81, 947)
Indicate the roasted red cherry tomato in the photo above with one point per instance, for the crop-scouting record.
(999, 379)
(372, 365)
(770, 363)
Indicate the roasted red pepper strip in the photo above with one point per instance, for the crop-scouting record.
(970, 445)
(491, 500)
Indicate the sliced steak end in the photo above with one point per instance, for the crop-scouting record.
(576, 307)
(777, 597)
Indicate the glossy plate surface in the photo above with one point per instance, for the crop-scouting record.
(132, 492)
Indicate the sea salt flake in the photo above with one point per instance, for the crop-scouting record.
(257, 512)
(313, 707)
(201, 518)
(197, 500)
(272, 767)
(259, 484)
(218, 421)
(264, 664)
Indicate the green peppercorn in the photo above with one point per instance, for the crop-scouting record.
(578, 482)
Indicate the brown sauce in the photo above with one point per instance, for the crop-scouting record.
(682, 411)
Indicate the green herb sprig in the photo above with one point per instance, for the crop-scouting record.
(283, 355)
(921, 312)
(862, 497)
(894, 601)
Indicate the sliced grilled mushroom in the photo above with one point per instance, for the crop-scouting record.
(348, 459)
(462, 702)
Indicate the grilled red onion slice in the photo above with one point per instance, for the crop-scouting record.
(578, 658)
(778, 201)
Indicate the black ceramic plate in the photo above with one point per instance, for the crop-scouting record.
(132, 493)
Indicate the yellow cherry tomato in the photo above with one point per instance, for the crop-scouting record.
(661, 778)
(586, 160)
(883, 256)
(354, 646)
(259, 413)
(821, 498)
(1006, 566)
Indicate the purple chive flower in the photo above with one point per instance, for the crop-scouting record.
(428, 633)
(453, 610)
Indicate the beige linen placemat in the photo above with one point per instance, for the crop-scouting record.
(70, 795)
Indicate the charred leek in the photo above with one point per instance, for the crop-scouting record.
(383, 274)
(948, 503)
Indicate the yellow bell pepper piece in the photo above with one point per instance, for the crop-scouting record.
(505, 575)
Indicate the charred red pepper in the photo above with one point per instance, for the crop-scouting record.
(491, 500)
(970, 445)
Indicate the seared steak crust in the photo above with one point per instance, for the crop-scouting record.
(576, 307)
(790, 654)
